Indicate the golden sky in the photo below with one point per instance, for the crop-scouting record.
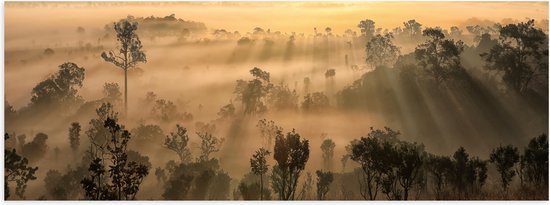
(301, 17)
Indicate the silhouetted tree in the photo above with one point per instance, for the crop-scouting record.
(282, 98)
(412, 28)
(381, 51)
(209, 144)
(16, 170)
(36, 149)
(315, 102)
(368, 28)
(178, 142)
(520, 55)
(74, 135)
(252, 93)
(129, 53)
(268, 130)
(328, 153)
(411, 157)
(505, 158)
(536, 161)
(125, 176)
(259, 166)
(460, 162)
(145, 135)
(112, 92)
(439, 57)
(324, 179)
(291, 155)
(441, 169)
(167, 111)
(60, 89)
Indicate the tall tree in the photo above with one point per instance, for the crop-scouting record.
(412, 28)
(125, 176)
(259, 166)
(381, 51)
(291, 155)
(411, 157)
(505, 159)
(253, 93)
(209, 144)
(368, 28)
(178, 142)
(61, 87)
(74, 135)
(328, 153)
(536, 161)
(521, 55)
(324, 179)
(16, 169)
(440, 57)
(129, 53)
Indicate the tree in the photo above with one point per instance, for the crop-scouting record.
(129, 53)
(368, 28)
(16, 169)
(521, 55)
(381, 51)
(291, 155)
(411, 157)
(252, 93)
(125, 176)
(60, 88)
(412, 28)
(376, 156)
(324, 179)
(268, 130)
(536, 160)
(441, 168)
(315, 102)
(209, 144)
(259, 166)
(328, 153)
(36, 149)
(460, 162)
(74, 135)
(440, 57)
(178, 142)
(145, 135)
(112, 92)
(505, 159)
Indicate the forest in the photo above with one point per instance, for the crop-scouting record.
(164, 108)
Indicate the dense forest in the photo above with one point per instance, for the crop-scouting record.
(186, 112)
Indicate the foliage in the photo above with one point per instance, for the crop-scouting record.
(381, 51)
(253, 93)
(125, 176)
(317, 101)
(519, 55)
(16, 169)
(268, 130)
(291, 155)
(60, 89)
(259, 166)
(536, 161)
(178, 142)
(440, 57)
(327, 147)
(74, 135)
(324, 179)
(209, 144)
(36, 149)
(505, 159)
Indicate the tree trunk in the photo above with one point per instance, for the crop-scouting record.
(261, 187)
(125, 93)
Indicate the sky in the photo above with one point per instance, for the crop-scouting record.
(25, 18)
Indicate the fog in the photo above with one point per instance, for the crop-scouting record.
(198, 72)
